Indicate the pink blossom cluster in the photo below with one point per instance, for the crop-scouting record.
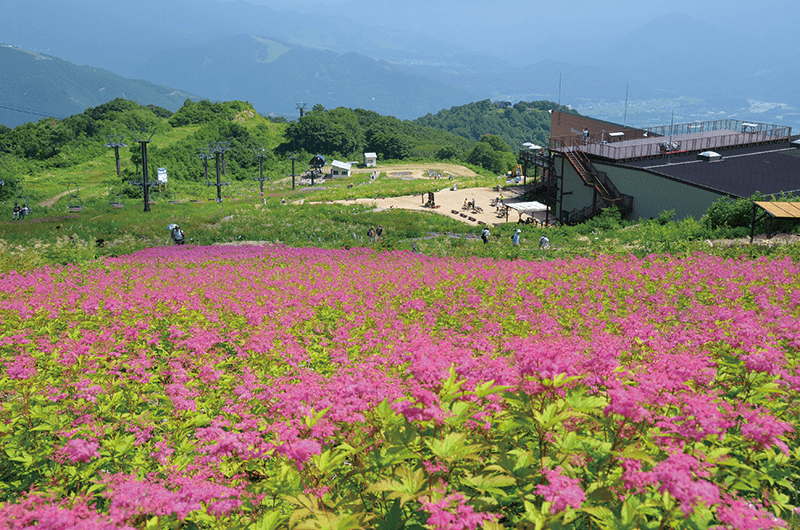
(215, 362)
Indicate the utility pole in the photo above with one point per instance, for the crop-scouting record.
(293, 157)
(116, 144)
(260, 153)
(143, 139)
(301, 107)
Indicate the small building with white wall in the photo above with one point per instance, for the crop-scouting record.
(370, 159)
(340, 169)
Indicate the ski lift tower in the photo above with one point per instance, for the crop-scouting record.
(260, 153)
(302, 108)
(115, 141)
(293, 156)
(142, 138)
(218, 149)
(204, 155)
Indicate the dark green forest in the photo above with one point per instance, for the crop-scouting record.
(483, 134)
(514, 123)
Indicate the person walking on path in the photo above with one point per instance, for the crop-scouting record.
(379, 233)
(485, 235)
(371, 234)
(515, 237)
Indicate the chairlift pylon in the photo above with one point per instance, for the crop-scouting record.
(75, 205)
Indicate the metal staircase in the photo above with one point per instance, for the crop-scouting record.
(607, 194)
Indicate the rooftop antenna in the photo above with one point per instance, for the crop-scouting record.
(301, 107)
(559, 89)
(625, 118)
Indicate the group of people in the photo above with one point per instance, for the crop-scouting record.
(544, 241)
(514, 238)
(375, 234)
(19, 212)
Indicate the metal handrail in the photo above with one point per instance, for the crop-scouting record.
(742, 133)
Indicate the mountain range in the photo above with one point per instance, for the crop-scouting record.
(619, 63)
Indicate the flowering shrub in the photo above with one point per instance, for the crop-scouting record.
(269, 387)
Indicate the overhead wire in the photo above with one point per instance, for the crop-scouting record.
(27, 111)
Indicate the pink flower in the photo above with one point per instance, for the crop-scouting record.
(452, 513)
(626, 402)
(681, 476)
(763, 429)
(561, 491)
(78, 450)
(744, 515)
(299, 451)
(23, 367)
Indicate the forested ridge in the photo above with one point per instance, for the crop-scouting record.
(483, 134)
(514, 123)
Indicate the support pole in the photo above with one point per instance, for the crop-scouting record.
(116, 145)
(143, 139)
(293, 157)
(219, 183)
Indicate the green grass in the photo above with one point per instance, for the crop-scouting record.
(53, 236)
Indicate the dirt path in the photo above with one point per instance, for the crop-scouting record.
(48, 203)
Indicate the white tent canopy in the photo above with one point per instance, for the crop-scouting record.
(528, 208)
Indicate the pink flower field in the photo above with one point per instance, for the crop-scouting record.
(271, 387)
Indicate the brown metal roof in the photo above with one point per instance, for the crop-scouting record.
(782, 210)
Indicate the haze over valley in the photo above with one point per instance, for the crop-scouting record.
(632, 62)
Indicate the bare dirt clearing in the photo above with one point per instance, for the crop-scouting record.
(402, 171)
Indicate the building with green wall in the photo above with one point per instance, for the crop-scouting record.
(682, 167)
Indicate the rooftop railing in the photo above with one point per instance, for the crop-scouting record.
(675, 139)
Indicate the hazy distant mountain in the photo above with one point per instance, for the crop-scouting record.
(38, 86)
(274, 77)
(726, 59)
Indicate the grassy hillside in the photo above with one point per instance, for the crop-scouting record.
(54, 165)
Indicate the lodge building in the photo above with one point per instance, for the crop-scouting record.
(592, 164)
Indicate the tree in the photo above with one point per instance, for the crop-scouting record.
(328, 132)
(391, 146)
(482, 155)
(497, 143)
